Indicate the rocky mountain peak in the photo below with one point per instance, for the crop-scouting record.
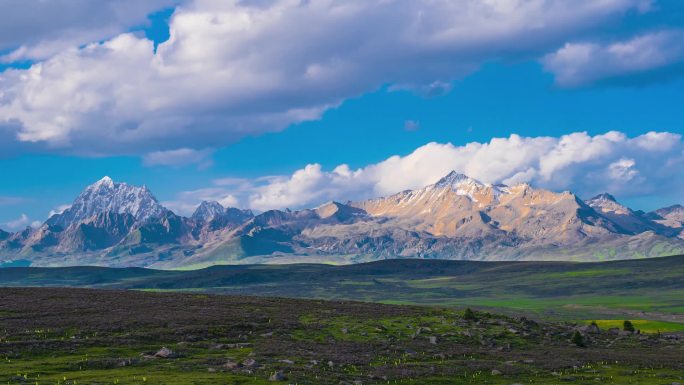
(327, 209)
(607, 203)
(457, 217)
(471, 188)
(105, 182)
(672, 216)
(455, 179)
(627, 220)
(674, 209)
(339, 211)
(604, 197)
(208, 210)
(106, 195)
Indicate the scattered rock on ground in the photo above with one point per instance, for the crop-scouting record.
(250, 363)
(165, 353)
(277, 376)
(231, 365)
(591, 329)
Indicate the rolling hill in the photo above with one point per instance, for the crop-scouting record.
(644, 289)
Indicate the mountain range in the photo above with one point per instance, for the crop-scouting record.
(116, 224)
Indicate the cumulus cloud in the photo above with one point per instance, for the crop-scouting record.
(32, 29)
(577, 64)
(308, 185)
(180, 157)
(237, 68)
(648, 164)
(21, 222)
(187, 201)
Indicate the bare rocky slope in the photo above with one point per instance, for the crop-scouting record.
(116, 224)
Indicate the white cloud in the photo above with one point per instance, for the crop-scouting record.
(187, 201)
(308, 185)
(21, 223)
(577, 64)
(237, 68)
(648, 164)
(33, 29)
(623, 170)
(180, 157)
(59, 209)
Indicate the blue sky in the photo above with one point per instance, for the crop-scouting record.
(252, 148)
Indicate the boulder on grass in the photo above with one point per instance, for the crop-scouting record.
(165, 353)
(278, 376)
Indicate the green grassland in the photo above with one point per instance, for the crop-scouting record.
(645, 326)
(63, 336)
(649, 289)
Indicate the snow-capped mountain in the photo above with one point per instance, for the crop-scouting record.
(458, 217)
(106, 196)
(460, 206)
(207, 211)
(104, 215)
(466, 186)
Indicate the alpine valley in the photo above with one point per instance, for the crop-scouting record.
(119, 225)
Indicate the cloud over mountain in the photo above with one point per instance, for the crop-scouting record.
(20, 223)
(629, 167)
(458, 217)
(238, 68)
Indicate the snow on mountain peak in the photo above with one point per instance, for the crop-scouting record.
(464, 185)
(607, 203)
(106, 183)
(208, 210)
(107, 196)
(604, 197)
(456, 179)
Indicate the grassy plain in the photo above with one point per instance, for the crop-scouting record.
(83, 336)
(649, 289)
